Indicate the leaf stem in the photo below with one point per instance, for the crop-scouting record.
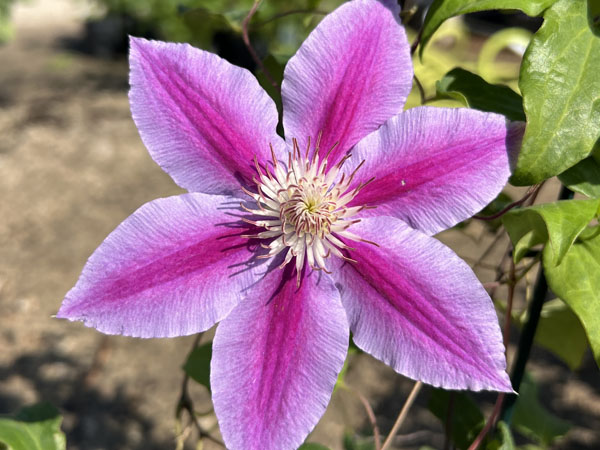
(251, 50)
(403, 414)
(529, 192)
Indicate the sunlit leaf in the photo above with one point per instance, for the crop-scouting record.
(467, 419)
(473, 91)
(533, 420)
(559, 223)
(197, 365)
(441, 10)
(561, 94)
(34, 428)
(577, 282)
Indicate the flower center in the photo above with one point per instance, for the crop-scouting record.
(303, 208)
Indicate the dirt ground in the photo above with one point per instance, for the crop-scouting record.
(72, 167)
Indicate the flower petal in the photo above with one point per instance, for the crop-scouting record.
(202, 119)
(276, 359)
(435, 167)
(174, 267)
(351, 74)
(415, 305)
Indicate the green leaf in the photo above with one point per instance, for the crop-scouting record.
(441, 10)
(34, 428)
(508, 443)
(467, 420)
(577, 282)
(559, 223)
(197, 365)
(561, 332)
(312, 446)
(533, 420)
(275, 69)
(473, 91)
(584, 177)
(352, 442)
(594, 16)
(561, 94)
(340, 383)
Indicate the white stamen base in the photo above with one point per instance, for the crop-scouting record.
(304, 208)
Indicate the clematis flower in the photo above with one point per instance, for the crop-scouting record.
(290, 244)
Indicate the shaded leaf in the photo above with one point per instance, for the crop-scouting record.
(594, 15)
(577, 282)
(561, 332)
(312, 446)
(441, 10)
(467, 420)
(559, 223)
(584, 177)
(275, 69)
(197, 365)
(506, 439)
(560, 87)
(352, 442)
(34, 428)
(533, 420)
(473, 91)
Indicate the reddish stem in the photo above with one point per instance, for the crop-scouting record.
(498, 406)
(251, 50)
(530, 191)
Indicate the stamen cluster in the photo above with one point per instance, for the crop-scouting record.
(304, 207)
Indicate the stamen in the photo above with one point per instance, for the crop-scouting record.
(304, 208)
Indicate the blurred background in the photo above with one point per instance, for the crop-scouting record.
(72, 167)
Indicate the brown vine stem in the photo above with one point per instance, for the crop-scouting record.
(403, 414)
(371, 415)
(506, 337)
(186, 403)
(251, 50)
(369, 411)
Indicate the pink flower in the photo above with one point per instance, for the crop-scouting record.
(355, 250)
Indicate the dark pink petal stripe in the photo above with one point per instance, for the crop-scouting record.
(175, 267)
(202, 119)
(350, 75)
(276, 359)
(418, 307)
(435, 167)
